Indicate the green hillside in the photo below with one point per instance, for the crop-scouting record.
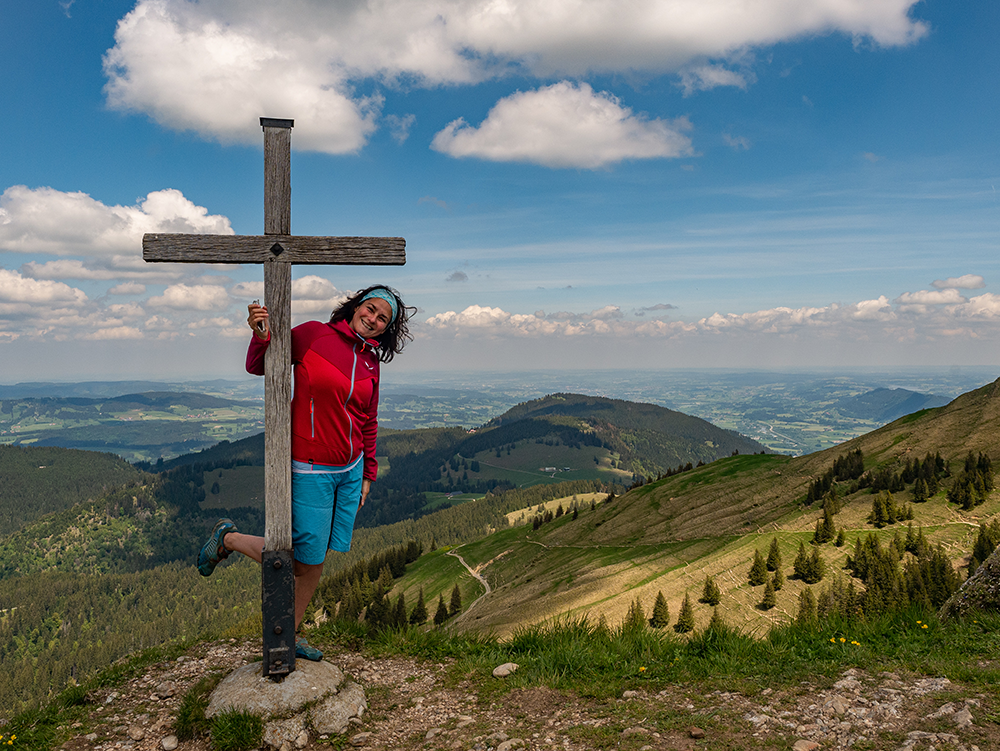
(671, 534)
(38, 481)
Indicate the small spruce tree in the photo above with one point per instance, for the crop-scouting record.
(778, 580)
(773, 556)
(770, 599)
(685, 619)
(635, 619)
(419, 615)
(807, 608)
(716, 623)
(442, 612)
(456, 602)
(758, 571)
(661, 612)
(710, 593)
(841, 538)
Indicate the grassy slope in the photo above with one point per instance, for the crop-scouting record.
(673, 533)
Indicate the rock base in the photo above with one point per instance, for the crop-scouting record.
(316, 695)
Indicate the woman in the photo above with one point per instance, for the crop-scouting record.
(334, 426)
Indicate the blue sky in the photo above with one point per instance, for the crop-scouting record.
(662, 183)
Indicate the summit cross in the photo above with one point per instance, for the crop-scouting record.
(277, 249)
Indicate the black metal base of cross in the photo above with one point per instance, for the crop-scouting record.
(277, 591)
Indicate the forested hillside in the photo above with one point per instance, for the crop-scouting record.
(38, 481)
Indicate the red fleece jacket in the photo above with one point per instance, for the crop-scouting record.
(335, 395)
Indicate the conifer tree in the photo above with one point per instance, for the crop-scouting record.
(807, 608)
(770, 599)
(456, 602)
(419, 615)
(815, 568)
(778, 580)
(710, 593)
(716, 623)
(399, 612)
(774, 556)
(758, 571)
(685, 619)
(442, 612)
(661, 612)
(841, 538)
(801, 565)
(635, 619)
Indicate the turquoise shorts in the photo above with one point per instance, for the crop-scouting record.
(324, 504)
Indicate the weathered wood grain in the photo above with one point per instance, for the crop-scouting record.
(297, 249)
(277, 409)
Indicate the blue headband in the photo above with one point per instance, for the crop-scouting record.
(384, 294)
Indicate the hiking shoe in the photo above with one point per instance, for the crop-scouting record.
(214, 552)
(306, 651)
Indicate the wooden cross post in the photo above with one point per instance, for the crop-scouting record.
(277, 249)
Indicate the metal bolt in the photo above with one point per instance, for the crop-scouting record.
(277, 630)
(277, 563)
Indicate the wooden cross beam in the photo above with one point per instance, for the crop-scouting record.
(277, 249)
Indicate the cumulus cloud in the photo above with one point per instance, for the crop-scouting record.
(127, 288)
(45, 220)
(214, 66)
(315, 295)
(737, 143)
(967, 281)
(706, 77)
(399, 127)
(564, 125)
(191, 297)
(15, 288)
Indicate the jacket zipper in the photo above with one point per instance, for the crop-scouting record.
(312, 417)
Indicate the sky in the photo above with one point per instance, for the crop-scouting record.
(581, 183)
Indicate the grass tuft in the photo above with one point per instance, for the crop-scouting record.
(237, 730)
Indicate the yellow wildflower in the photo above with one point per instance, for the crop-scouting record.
(833, 640)
(924, 626)
(842, 639)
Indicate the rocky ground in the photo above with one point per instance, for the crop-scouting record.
(420, 705)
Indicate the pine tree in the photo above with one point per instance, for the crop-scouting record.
(685, 619)
(456, 602)
(801, 565)
(661, 612)
(841, 538)
(419, 615)
(635, 619)
(758, 571)
(773, 556)
(716, 623)
(399, 612)
(807, 608)
(710, 594)
(770, 599)
(778, 580)
(442, 612)
(815, 568)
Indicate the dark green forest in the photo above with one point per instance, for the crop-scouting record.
(38, 481)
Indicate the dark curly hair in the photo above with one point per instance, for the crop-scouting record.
(396, 334)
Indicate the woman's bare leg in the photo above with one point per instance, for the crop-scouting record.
(250, 545)
(307, 576)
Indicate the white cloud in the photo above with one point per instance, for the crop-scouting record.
(399, 127)
(15, 288)
(707, 77)
(967, 281)
(44, 220)
(127, 288)
(192, 297)
(564, 125)
(214, 66)
(927, 297)
(737, 143)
